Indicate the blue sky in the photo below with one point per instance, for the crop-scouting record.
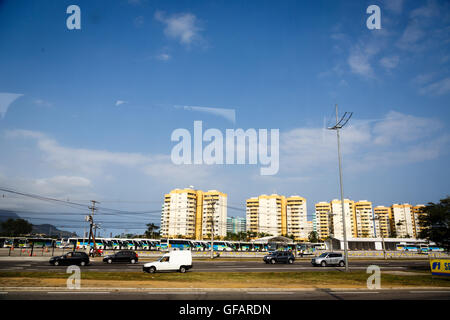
(88, 114)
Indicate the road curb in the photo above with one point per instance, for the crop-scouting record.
(193, 290)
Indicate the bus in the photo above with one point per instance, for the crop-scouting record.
(83, 243)
(306, 248)
(179, 244)
(426, 248)
(410, 247)
(198, 246)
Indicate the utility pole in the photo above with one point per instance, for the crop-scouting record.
(90, 219)
(382, 236)
(339, 125)
(213, 203)
(330, 215)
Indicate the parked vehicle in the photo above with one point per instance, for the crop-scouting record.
(71, 258)
(122, 256)
(172, 261)
(329, 258)
(279, 257)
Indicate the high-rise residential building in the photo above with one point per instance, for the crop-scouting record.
(364, 219)
(277, 215)
(190, 213)
(350, 218)
(308, 229)
(322, 220)
(403, 220)
(296, 218)
(214, 214)
(236, 225)
(383, 216)
(418, 212)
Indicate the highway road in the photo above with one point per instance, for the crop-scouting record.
(35, 264)
(228, 294)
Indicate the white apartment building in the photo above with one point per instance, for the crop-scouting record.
(403, 220)
(189, 213)
(365, 227)
(349, 212)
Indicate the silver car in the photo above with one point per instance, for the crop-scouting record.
(329, 259)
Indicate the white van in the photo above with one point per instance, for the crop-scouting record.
(180, 260)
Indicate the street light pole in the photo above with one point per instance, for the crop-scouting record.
(331, 229)
(212, 228)
(382, 236)
(339, 125)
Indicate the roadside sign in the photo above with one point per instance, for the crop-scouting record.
(440, 267)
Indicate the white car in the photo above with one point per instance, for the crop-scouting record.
(171, 261)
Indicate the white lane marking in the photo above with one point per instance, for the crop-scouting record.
(77, 292)
(354, 292)
(441, 291)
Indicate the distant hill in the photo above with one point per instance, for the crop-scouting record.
(7, 214)
(44, 229)
(51, 230)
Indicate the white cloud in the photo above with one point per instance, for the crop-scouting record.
(401, 128)
(366, 145)
(182, 27)
(139, 21)
(163, 57)
(390, 62)
(429, 10)
(6, 99)
(358, 61)
(438, 88)
(97, 162)
(422, 79)
(411, 36)
(120, 102)
(42, 103)
(395, 6)
(229, 114)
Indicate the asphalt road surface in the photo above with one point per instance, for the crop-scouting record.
(188, 294)
(218, 266)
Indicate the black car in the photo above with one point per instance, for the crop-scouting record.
(122, 256)
(279, 257)
(70, 258)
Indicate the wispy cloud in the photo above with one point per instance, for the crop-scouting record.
(42, 103)
(395, 6)
(138, 21)
(6, 99)
(120, 102)
(229, 114)
(163, 57)
(438, 88)
(393, 140)
(390, 62)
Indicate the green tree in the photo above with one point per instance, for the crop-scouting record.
(436, 223)
(151, 228)
(313, 237)
(17, 227)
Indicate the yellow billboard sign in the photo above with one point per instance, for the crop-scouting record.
(440, 267)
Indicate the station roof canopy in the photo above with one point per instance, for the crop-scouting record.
(273, 239)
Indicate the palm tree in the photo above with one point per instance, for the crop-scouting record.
(151, 228)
